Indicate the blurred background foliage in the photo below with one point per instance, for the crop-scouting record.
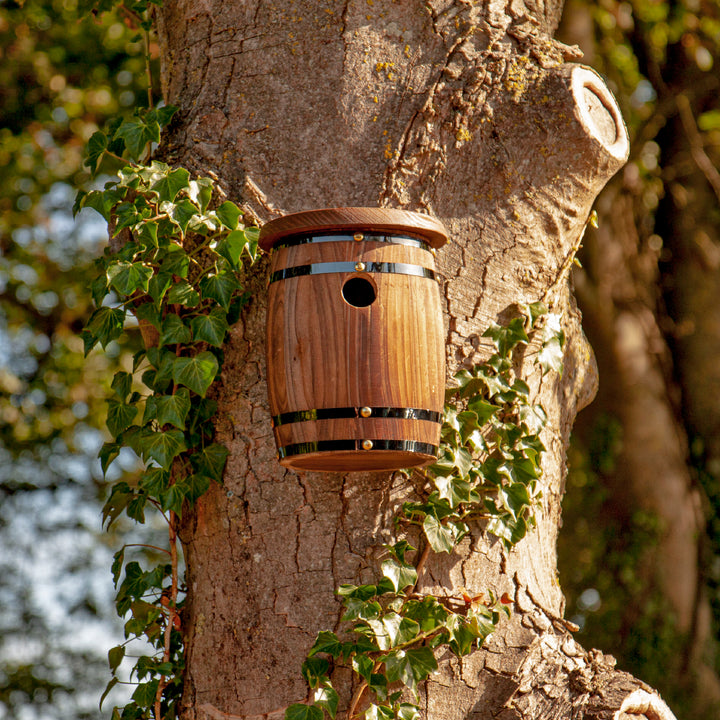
(640, 550)
(640, 547)
(62, 75)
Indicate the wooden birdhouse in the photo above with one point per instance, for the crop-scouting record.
(355, 338)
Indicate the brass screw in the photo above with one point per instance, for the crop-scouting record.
(365, 412)
(359, 266)
(367, 444)
(357, 237)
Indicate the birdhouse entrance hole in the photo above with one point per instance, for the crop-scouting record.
(358, 292)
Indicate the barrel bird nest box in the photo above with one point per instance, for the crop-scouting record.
(355, 338)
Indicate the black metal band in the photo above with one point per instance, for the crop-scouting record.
(410, 446)
(351, 267)
(356, 412)
(293, 240)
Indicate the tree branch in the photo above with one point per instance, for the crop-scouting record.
(697, 148)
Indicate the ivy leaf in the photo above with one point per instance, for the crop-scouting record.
(454, 489)
(155, 481)
(327, 698)
(128, 277)
(174, 331)
(200, 192)
(115, 657)
(163, 447)
(219, 287)
(211, 461)
(149, 313)
(120, 495)
(326, 642)
(121, 384)
(231, 247)
(104, 325)
(119, 416)
(147, 234)
(162, 360)
(253, 235)
(158, 286)
(407, 711)
(440, 537)
(483, 409)
(428, 613)
(126, 215)
(138, 132)
(108, 688)
(550, 356)
(508, 530)
(533, 417)
(507, 338)
(172, 499)
(176, 262)
(303, 712)
(169, 185)
(410, 666)
(445, 464)
(536, 310)
(195, 487)
(180, 213)
(183, 293)
(228, 214)
(515, 498)
(379, 712)
(108, 452)
(357, 609)
(99, 289)
(393, 629)
(196, 373)
(96, 147)
(145, 693)
(116, 567)
(314, 671)
(399, 549)
(363, 666)
(401, 575)
(210, 328)
(462, 638)
(173, 409)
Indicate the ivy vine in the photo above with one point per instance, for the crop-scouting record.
(178, 274)
(487, 470)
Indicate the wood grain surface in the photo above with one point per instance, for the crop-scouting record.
(375, 220)
(325, 353)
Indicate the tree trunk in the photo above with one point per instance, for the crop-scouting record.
(467, 112)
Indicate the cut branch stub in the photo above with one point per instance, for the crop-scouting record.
(355, 339)
(599, 114)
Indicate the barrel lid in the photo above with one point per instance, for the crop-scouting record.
(390, 220)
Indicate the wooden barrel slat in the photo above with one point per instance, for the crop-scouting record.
(358, 429)
(348, 252)
(324, 351)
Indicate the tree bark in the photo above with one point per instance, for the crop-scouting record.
(470, 113)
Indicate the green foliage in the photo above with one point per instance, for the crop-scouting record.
(487, 471)
(606, 567)
(170, 275)
(62, 75)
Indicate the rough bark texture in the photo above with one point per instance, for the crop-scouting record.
(465, 111)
